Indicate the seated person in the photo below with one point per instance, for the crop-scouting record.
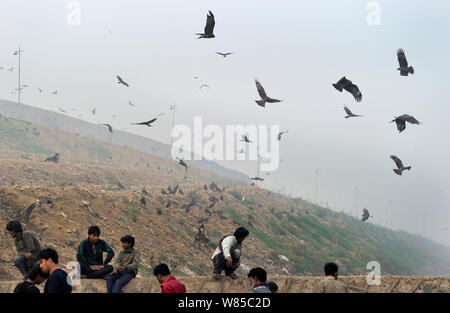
(58, 280)
(35, 277)
(258, 278)
(169, 284)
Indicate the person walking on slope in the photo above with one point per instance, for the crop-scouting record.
(227, 256)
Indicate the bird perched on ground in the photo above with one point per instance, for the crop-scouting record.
(401, 121)
(182, 163)
(400, 168)
(347, 84)
(224, 54)
(279, 135)
(109, 127)
(146, 123)
(257, 178)
(263, 95)
(168, 204)
(144, 191)
(209, 27)
(204, 85)
(164, 192)
(121, 81)
(205, 187)
(349, 113)
(130, 103)
(365, 215)
(245, 139)
(54, 158)
(404, 69)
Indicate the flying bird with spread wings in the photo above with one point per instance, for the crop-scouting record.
(131, 103)
(146, 123)
(224, 54)
(93, 111)
(349, 113)
(347, 84)
(62, 110)
(209, 27)
(402, 119)
(403, 64)
(279, 135)
(55, 92)
(121, 81)
(400, 168)
(365, 215)
(204, 85)
(109, 127)
(263, 95)
(257, 178)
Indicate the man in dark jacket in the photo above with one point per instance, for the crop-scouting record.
(27, 246)
(36, 277)
(58, 280)
(90, 255)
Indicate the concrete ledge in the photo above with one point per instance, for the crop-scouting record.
(286, 284)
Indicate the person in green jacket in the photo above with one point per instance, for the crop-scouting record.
(125, 266)
(27, 247)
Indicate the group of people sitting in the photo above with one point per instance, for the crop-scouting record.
(38, 265)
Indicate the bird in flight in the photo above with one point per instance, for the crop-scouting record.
(204, 85)
(130, 103)
(1, 68)
(11, 69)
(400, 168)
(54, 92)
(39, 89)
(257, 178)
(195, 77)
(121, 81)
(209, 27)
(279, 135)
(146, 123)
(365, 215)
(349, 113)
(403, 68)
(245, 139)
(93, 111)
(263, 95)
(347, 84)
(224, 54)
(401, 121)
(62, 110)
(182, 163)
(109, 127)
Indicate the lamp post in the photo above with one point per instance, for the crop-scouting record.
(18, 52)
(172, 107)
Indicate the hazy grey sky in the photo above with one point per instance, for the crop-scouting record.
(297, 49)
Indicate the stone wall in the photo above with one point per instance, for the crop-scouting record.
(286, 284)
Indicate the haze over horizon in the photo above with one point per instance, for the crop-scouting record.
(296, 50)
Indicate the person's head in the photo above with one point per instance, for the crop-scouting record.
(272, 286)
(93, 234)
(48, 260)
(257, 276)
(331, 269)
(127, 242)
(161, 271)
(14, 228)
(240, 233)
(36, 275)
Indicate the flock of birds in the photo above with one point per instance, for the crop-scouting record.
(340, 85)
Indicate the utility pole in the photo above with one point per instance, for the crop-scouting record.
(19, 90)
(317, 184)
(172, 107)
(356, 202)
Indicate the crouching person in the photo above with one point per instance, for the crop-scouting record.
(125, 267)
(36, 277)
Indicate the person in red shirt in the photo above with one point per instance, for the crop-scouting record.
(168, 282)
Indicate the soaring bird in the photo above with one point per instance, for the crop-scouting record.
(257, 178)
(146, 123)
(401, 121)
(39, 89)
(245, 139)
(349, 113)
(93, 111)
(347, 84)
(263, 95)
(10, 69)
(195, 77)
(109, 127)
(62, 110)
(224, 54)
(204, 85)
(130, 103)
(404, 69)
(209, 27)
(182, 163)
(279, 135)
(400, 168)
(365, 215)
(55, 92)
(121, 81)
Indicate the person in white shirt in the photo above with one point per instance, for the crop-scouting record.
(227, 256)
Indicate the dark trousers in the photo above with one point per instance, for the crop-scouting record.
(115, 282)
(24, 265)
(98, 273)
(220, 263)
